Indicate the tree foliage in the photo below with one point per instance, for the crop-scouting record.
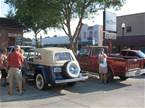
(37, 15)
(81, 9)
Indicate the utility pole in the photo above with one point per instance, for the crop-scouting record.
(104, 30)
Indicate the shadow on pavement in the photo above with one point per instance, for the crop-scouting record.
(93, 85)
(31, 93)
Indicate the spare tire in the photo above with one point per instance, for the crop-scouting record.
(71, 70)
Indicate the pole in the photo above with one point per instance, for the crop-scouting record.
(122, 31)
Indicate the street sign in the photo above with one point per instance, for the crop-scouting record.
(109, 35)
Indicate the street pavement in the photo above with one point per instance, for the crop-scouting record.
(88, 94)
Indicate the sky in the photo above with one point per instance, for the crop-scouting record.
(130, 7)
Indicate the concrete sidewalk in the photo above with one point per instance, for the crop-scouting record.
(31, 93)
(89, 94)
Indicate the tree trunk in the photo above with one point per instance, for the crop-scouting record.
(36, 40)
(74, 46)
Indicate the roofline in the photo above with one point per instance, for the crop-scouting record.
(131, 14)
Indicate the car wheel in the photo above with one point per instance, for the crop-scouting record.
(71, 70)
(40, 82)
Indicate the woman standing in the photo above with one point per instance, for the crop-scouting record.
(103, 69)
(3, 67)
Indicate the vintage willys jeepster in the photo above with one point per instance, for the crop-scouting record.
(52, 65)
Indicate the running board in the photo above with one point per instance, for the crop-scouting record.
(71, 80)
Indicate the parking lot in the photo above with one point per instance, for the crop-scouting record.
(88, 94)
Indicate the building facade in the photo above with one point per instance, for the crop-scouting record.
(11, 32)
(130, 32)
(91, 35)
(134, 25)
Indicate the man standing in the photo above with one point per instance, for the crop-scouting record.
(15, 61)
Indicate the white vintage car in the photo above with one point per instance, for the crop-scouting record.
(53, 66)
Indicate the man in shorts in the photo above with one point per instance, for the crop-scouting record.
(15, 61)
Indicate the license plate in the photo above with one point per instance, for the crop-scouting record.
(57, 69)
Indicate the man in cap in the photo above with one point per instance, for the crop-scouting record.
(15, 61)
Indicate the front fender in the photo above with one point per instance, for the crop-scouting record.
(43, 71)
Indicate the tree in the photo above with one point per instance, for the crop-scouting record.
(80, 9)
(35, 15)
(40, 14)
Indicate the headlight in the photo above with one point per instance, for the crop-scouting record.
(57, 69)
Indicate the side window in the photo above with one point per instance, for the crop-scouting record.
(95, 51)
(123, 53)
(132, 54)
(84, 52)
(128, 29)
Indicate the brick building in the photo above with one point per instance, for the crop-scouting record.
(130, 31)
(11, 32)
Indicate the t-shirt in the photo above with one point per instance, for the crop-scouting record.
(15, 59)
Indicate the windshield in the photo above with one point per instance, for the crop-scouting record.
(27, 49)
(63, 56)
(141, 54)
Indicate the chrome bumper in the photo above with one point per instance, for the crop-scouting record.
(81, 78)
(133, 73)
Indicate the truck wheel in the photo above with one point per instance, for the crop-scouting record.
(71, 70)
(123, 78)
(40, 82)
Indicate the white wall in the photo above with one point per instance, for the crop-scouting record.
(54, 40)
(91, 33)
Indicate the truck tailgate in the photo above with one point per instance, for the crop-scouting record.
(133, 64)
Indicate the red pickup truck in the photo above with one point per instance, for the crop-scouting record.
(133, 53)
(121, 66)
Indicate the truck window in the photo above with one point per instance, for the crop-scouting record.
(96, 50)
(130, 53)
(123, 53)
(84, 52)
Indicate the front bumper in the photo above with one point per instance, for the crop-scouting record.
(133, 73)
(80, 78)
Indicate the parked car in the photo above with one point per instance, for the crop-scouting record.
(133, 53)
(54, 66)
(121, 66)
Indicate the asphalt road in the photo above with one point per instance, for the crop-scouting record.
(88, 94)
